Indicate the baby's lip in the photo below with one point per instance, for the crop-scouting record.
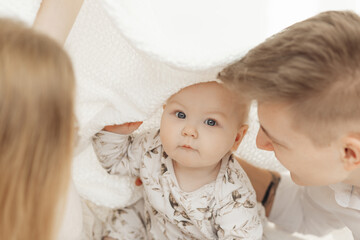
(186, 146)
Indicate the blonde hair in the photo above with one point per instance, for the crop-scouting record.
(36, 132)
(313, 66)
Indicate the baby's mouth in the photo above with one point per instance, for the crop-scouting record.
(186, 146)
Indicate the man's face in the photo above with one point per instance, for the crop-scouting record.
(307, 163)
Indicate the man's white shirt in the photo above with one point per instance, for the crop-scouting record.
(316, 209)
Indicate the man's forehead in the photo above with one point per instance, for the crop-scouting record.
(273, 105)
(274, 113)
(279, 122)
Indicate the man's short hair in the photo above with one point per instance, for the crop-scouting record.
(314, 66)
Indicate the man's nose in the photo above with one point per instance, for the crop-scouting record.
(263, 142)
(189, 131)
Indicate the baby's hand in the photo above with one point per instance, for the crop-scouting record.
(108, 238)
(124, 129)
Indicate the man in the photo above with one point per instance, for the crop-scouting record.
(306, 80)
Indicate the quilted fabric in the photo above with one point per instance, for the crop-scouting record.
(127, 67)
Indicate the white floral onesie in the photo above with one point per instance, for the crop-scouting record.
(223, 209)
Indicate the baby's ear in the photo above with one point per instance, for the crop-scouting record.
(164, 106)
(239, 136)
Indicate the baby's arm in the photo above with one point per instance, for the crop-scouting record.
(237, 216)
(116, 149)
(265, 183)
(239, 219)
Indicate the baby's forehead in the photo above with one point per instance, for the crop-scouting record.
(213, 96)
(204, 88)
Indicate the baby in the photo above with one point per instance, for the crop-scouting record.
(193, 188)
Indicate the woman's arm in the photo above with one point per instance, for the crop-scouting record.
(56, 18)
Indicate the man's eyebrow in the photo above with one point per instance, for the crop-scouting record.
(271, 137)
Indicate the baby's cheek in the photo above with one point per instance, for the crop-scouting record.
(168, 147)
(221, 147)
(163, 138)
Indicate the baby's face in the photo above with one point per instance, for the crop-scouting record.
(199, 125)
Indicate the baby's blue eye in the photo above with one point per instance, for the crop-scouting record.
(210, 122)
(180, 115)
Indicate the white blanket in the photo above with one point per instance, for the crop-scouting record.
(127, 67)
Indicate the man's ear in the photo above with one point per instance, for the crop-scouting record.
(350, 152)
(239, 136)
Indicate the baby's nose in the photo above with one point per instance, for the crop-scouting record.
(190, 132)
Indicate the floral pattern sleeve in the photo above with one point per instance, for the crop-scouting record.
(237, 215)
(121, 154)
(238, 218)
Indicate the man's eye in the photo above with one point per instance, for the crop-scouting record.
(210, 122)
(180, 115)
